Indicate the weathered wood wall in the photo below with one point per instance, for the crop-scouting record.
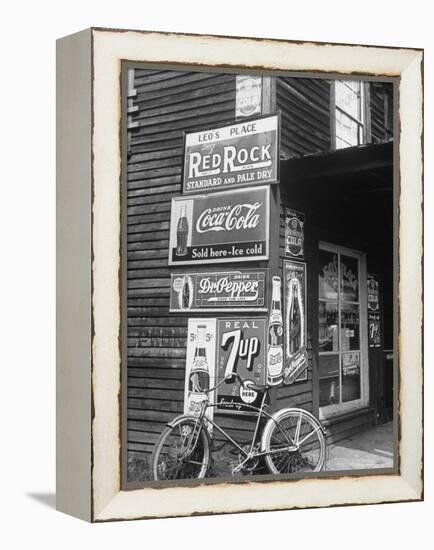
(381, 101)
(305, 107)
(168, 102)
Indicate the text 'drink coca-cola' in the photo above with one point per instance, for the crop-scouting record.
(221, 227)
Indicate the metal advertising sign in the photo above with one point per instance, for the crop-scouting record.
(239, 290)
(248, 95)
(200, 365)
(294, 233)
(296, 360)
(229, 226)
(241, 345)
(242, 154)
(374, 331)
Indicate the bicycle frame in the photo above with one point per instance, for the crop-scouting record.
(202, 419)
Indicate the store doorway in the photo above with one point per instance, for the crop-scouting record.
(343, 346)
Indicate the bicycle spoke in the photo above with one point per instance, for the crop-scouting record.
(297, 430)
(295, 444)
(308, 436)
(183, 452)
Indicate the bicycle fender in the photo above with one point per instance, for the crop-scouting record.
(276, 417)
(178, 418)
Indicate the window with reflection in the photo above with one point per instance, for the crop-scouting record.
(328, 275)
(349, 113)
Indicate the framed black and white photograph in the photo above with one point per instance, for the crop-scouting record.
(255, 273)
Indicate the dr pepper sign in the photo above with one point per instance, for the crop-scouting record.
(239, 155)
(227, 226)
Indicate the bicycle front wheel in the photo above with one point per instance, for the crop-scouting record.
(294, 442)
(182, 451)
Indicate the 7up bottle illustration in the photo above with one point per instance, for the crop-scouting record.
(199, 378)
(275, 337)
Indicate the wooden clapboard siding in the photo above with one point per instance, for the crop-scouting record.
(305, 109)
(380, 104)
(168, 102)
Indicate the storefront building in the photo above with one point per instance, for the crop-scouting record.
(331, 217)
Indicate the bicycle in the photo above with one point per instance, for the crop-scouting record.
(292, 441)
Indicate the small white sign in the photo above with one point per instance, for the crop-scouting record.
(249, 95)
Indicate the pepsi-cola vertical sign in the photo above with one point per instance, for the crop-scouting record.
(275, 336)
(227, 226)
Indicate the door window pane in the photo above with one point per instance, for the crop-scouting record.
(349, 279)
(328, 275)
(329, 391)
(350, 376)
(350, 333)
(328, 334)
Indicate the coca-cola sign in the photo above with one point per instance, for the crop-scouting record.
(241, 346)
(242, 154)
(221, 227)
(218, 291)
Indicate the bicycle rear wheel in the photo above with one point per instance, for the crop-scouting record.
(181, 452)
(295, 442)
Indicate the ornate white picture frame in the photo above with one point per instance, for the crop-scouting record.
(89, 273)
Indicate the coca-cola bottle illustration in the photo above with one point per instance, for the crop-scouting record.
(275, 337)
(296, 355)
(294, 317)
(198, 381)
(185, 294)
(182, 232)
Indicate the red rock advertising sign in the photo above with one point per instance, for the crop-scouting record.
(239, 155)
(241, 347)
(230, 226)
